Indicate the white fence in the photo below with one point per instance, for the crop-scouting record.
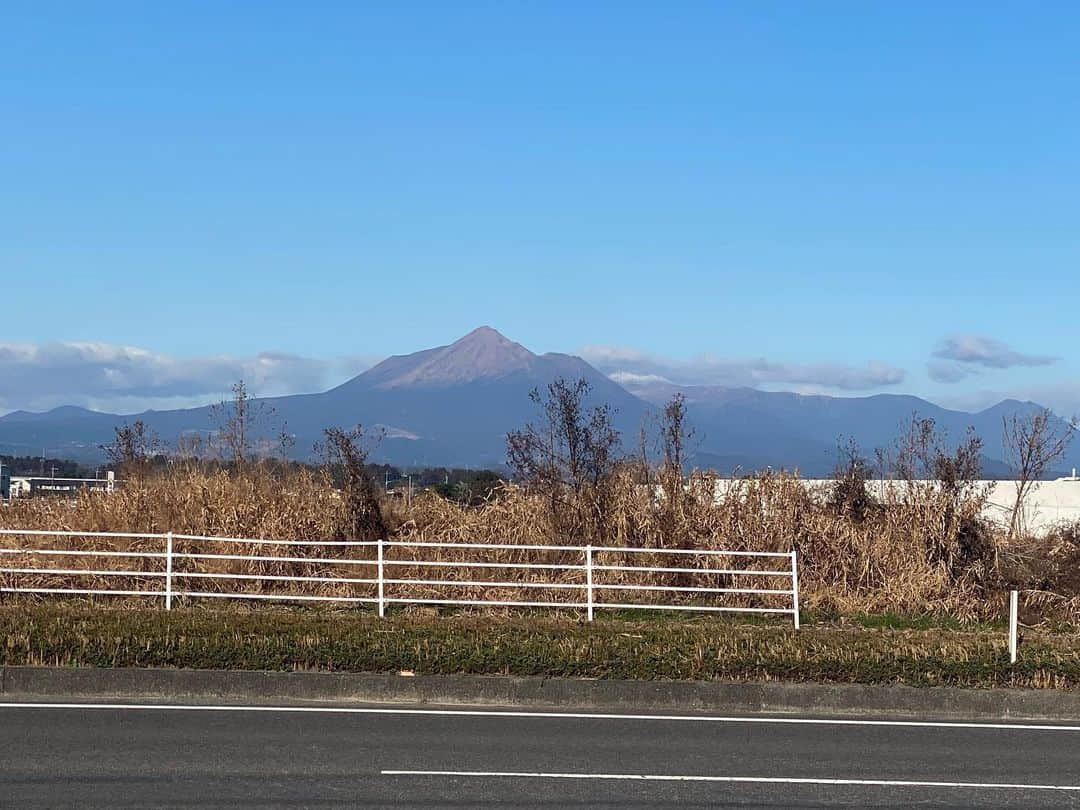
(172, 566)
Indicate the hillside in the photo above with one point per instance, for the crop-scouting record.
(452, 405)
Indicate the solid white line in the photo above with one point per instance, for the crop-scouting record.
(764, 780)
(503, 713)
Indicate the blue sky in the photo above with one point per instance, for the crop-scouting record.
(838, 197)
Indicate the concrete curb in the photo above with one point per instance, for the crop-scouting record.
(547, 693)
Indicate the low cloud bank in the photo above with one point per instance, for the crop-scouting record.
(128, 378)
(631, 366)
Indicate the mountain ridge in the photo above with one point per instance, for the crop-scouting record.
(482, 353)
(452, 405)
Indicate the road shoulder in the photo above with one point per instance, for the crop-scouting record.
(25, 683)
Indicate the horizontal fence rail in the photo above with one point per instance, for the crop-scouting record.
(381, 573)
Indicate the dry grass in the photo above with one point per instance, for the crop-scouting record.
(910, 557)
(1048, 570)
(922, 552)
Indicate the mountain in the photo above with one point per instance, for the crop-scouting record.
(66, 432)
(779, 428)
(451, 405)
(454, 404)
(481, 354)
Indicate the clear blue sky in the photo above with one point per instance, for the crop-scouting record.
(774, 185)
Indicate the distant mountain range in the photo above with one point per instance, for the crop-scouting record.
(453, 405)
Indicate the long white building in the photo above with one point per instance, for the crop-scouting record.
(1047, 504)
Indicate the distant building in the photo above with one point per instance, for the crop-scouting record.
(1048, 504)
(22, 486)
(5, 483)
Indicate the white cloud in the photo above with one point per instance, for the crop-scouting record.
(943, 371)
(129, 378)
(630, 378)
(980, 350)
(630, 365)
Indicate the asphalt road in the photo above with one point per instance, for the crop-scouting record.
(121, 757)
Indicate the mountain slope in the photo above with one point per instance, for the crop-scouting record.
(463, 398)
(785, 429)
(454, 404)
(451, 405)
(482, 354)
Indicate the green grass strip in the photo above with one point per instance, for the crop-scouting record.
(692, 649)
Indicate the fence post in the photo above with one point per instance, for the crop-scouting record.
(168, 570)
(382, 598)
(1013, 599)
(795, 586)
(588, 580)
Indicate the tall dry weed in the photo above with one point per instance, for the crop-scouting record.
(923, 551)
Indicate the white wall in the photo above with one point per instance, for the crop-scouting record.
(1048, 502)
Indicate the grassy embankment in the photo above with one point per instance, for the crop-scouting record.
(926, 652)
(924, 552)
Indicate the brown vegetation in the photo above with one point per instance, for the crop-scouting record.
(919, 547)
(910, 556)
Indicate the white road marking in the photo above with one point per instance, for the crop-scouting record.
(503, 713)
(763, 780)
